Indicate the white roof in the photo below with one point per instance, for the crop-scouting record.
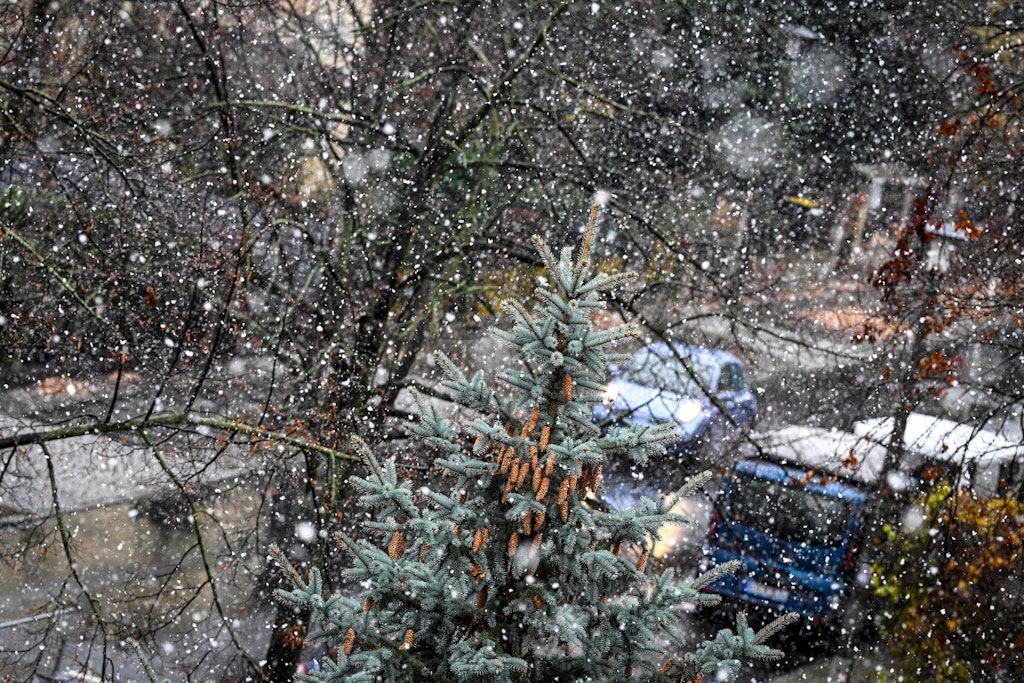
(940, 439)
(825, 450)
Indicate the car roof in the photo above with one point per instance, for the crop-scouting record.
(823, 450)
(937, 438)
(701, 355)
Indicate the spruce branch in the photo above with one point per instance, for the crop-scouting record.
(710, 576)
(588, 239)
(605, 281)
(551, 264)
(285, 565)
(772, 629)
(366, 453)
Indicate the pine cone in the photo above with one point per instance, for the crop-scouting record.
(350, 640)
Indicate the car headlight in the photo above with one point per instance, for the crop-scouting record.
(609, 393)
(689, 411)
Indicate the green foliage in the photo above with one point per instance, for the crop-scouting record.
(951, 589)
(507, 571)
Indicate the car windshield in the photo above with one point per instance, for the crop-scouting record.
(667, 373)
(790, 513)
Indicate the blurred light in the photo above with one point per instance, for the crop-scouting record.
(689, 411)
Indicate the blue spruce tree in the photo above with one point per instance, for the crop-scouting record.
(508, 572)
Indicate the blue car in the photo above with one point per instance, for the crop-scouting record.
(793, 515)
(704, 391)
(796, 544)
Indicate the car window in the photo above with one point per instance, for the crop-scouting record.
(790, 513)
(727, 382)
(732, 379)
(739, 378)
(649, 369)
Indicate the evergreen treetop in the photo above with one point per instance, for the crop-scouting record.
(509, 571)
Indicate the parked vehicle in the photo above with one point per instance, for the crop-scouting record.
(793, 515)
(704, 391)
(793, 508)
(967, 456)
